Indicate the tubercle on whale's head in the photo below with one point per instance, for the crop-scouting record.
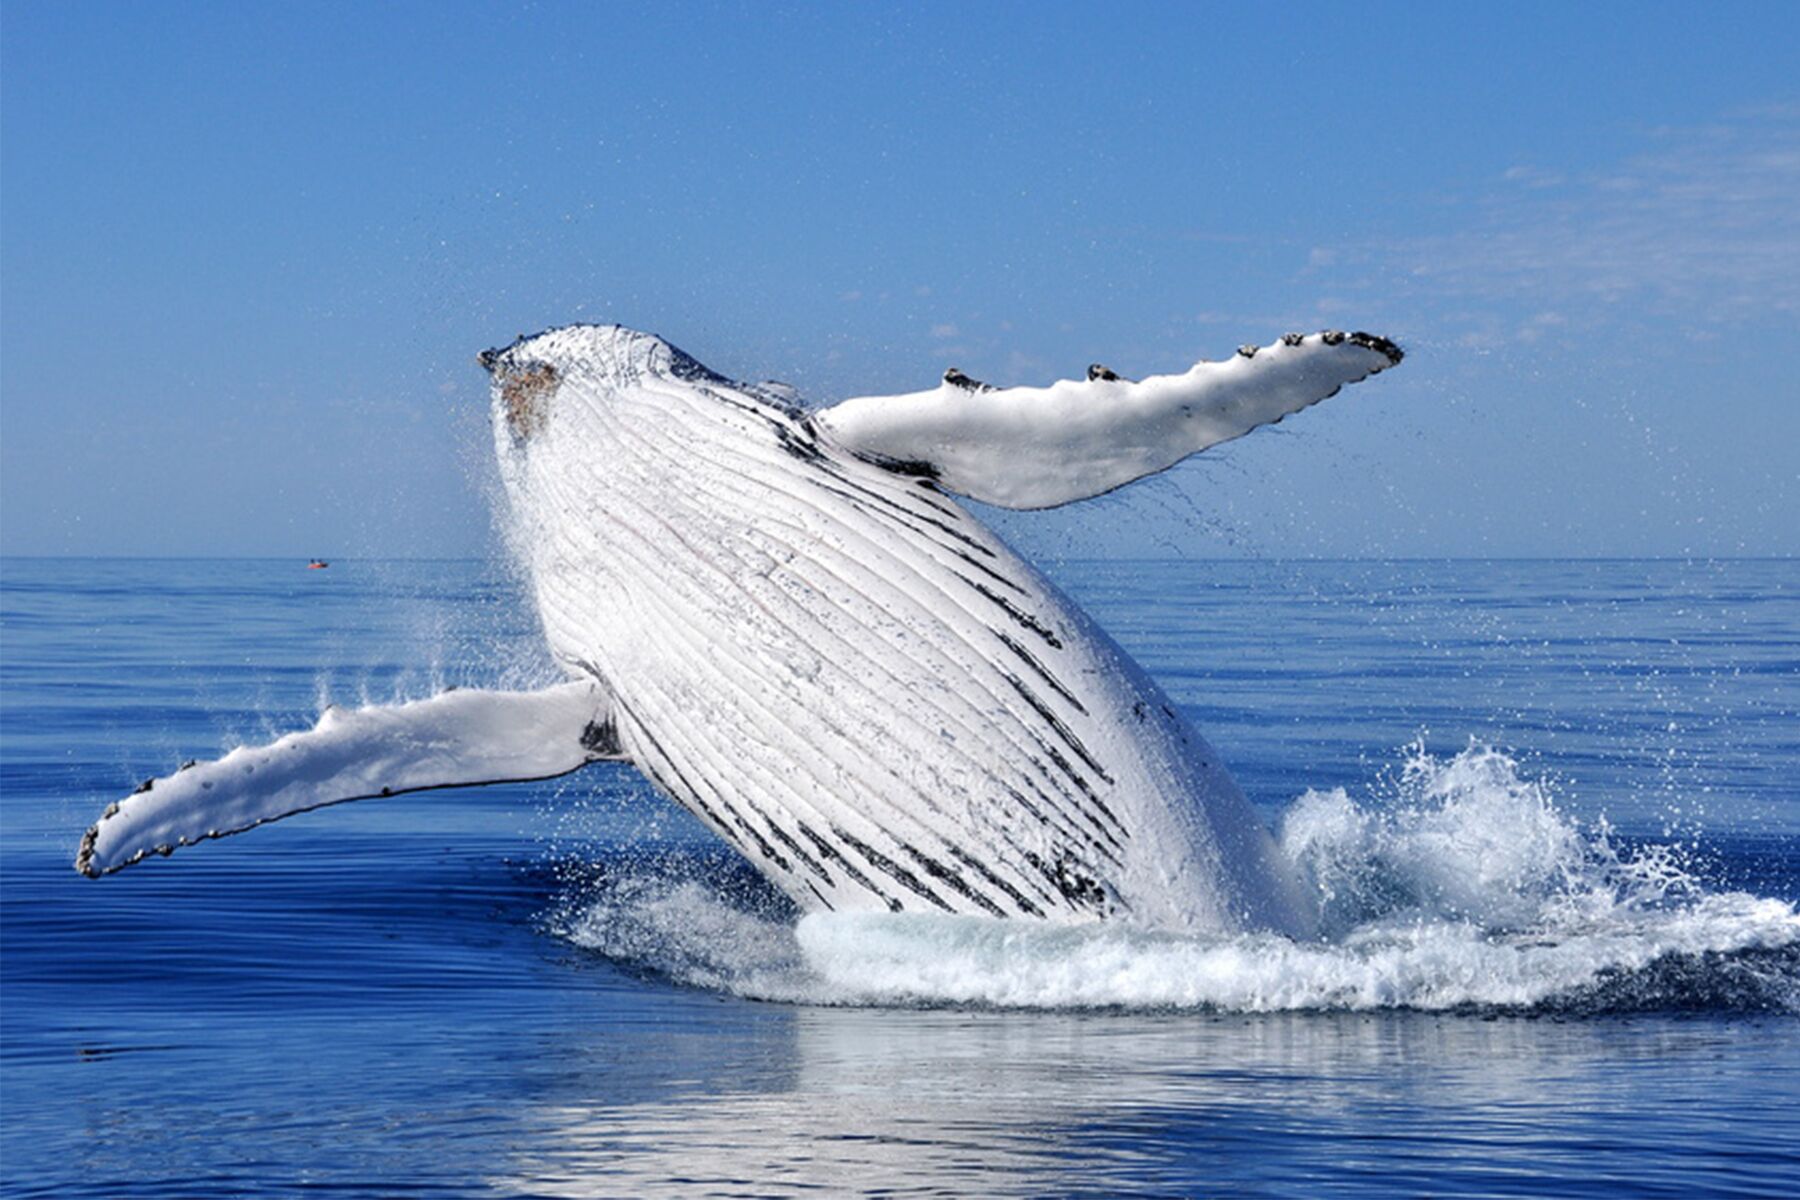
(522, 385)
(522, 396)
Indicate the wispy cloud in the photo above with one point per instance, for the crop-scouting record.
(1702, 225)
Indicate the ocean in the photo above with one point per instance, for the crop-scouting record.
(1551, 810)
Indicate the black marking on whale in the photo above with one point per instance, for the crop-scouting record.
(949, 878)
(1056, 723)
(890, 868)
(1024, 902)
(831, 853)
(1031, 660)
(1078, 888)
(1020, 617)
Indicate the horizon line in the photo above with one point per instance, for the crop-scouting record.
(1235, 558)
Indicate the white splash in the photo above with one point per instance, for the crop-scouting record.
(1465, 887)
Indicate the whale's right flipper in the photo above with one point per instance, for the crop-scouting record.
(1037, 447)
(457, 739)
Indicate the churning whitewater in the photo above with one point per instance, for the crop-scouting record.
(1462, 887)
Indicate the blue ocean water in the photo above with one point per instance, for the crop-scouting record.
(1551, 809)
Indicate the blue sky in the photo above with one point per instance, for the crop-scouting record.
(248, 251)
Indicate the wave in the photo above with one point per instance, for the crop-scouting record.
(1458, 886)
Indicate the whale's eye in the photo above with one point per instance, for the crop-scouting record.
(526, 393)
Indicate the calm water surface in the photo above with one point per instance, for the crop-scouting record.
(573, 992)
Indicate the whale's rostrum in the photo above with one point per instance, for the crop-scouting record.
(788, 623)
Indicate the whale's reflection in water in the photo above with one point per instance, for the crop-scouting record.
(923, 1102)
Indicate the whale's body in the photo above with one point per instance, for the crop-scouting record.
(847, 676)
(791, 627)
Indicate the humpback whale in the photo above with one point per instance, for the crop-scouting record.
(785, 619)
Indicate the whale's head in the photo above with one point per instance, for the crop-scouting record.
(577, 379)
(603, 438)
(526, 377)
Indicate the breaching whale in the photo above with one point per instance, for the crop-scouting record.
(786, 621)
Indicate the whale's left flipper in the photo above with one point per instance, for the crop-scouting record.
(457, 739)
(1032, 447)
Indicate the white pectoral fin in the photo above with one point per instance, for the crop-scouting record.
(457, 739)
(1039, 447)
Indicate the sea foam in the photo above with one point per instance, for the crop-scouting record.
(1457, 884)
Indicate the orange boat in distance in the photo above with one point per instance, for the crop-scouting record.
(317, 564)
